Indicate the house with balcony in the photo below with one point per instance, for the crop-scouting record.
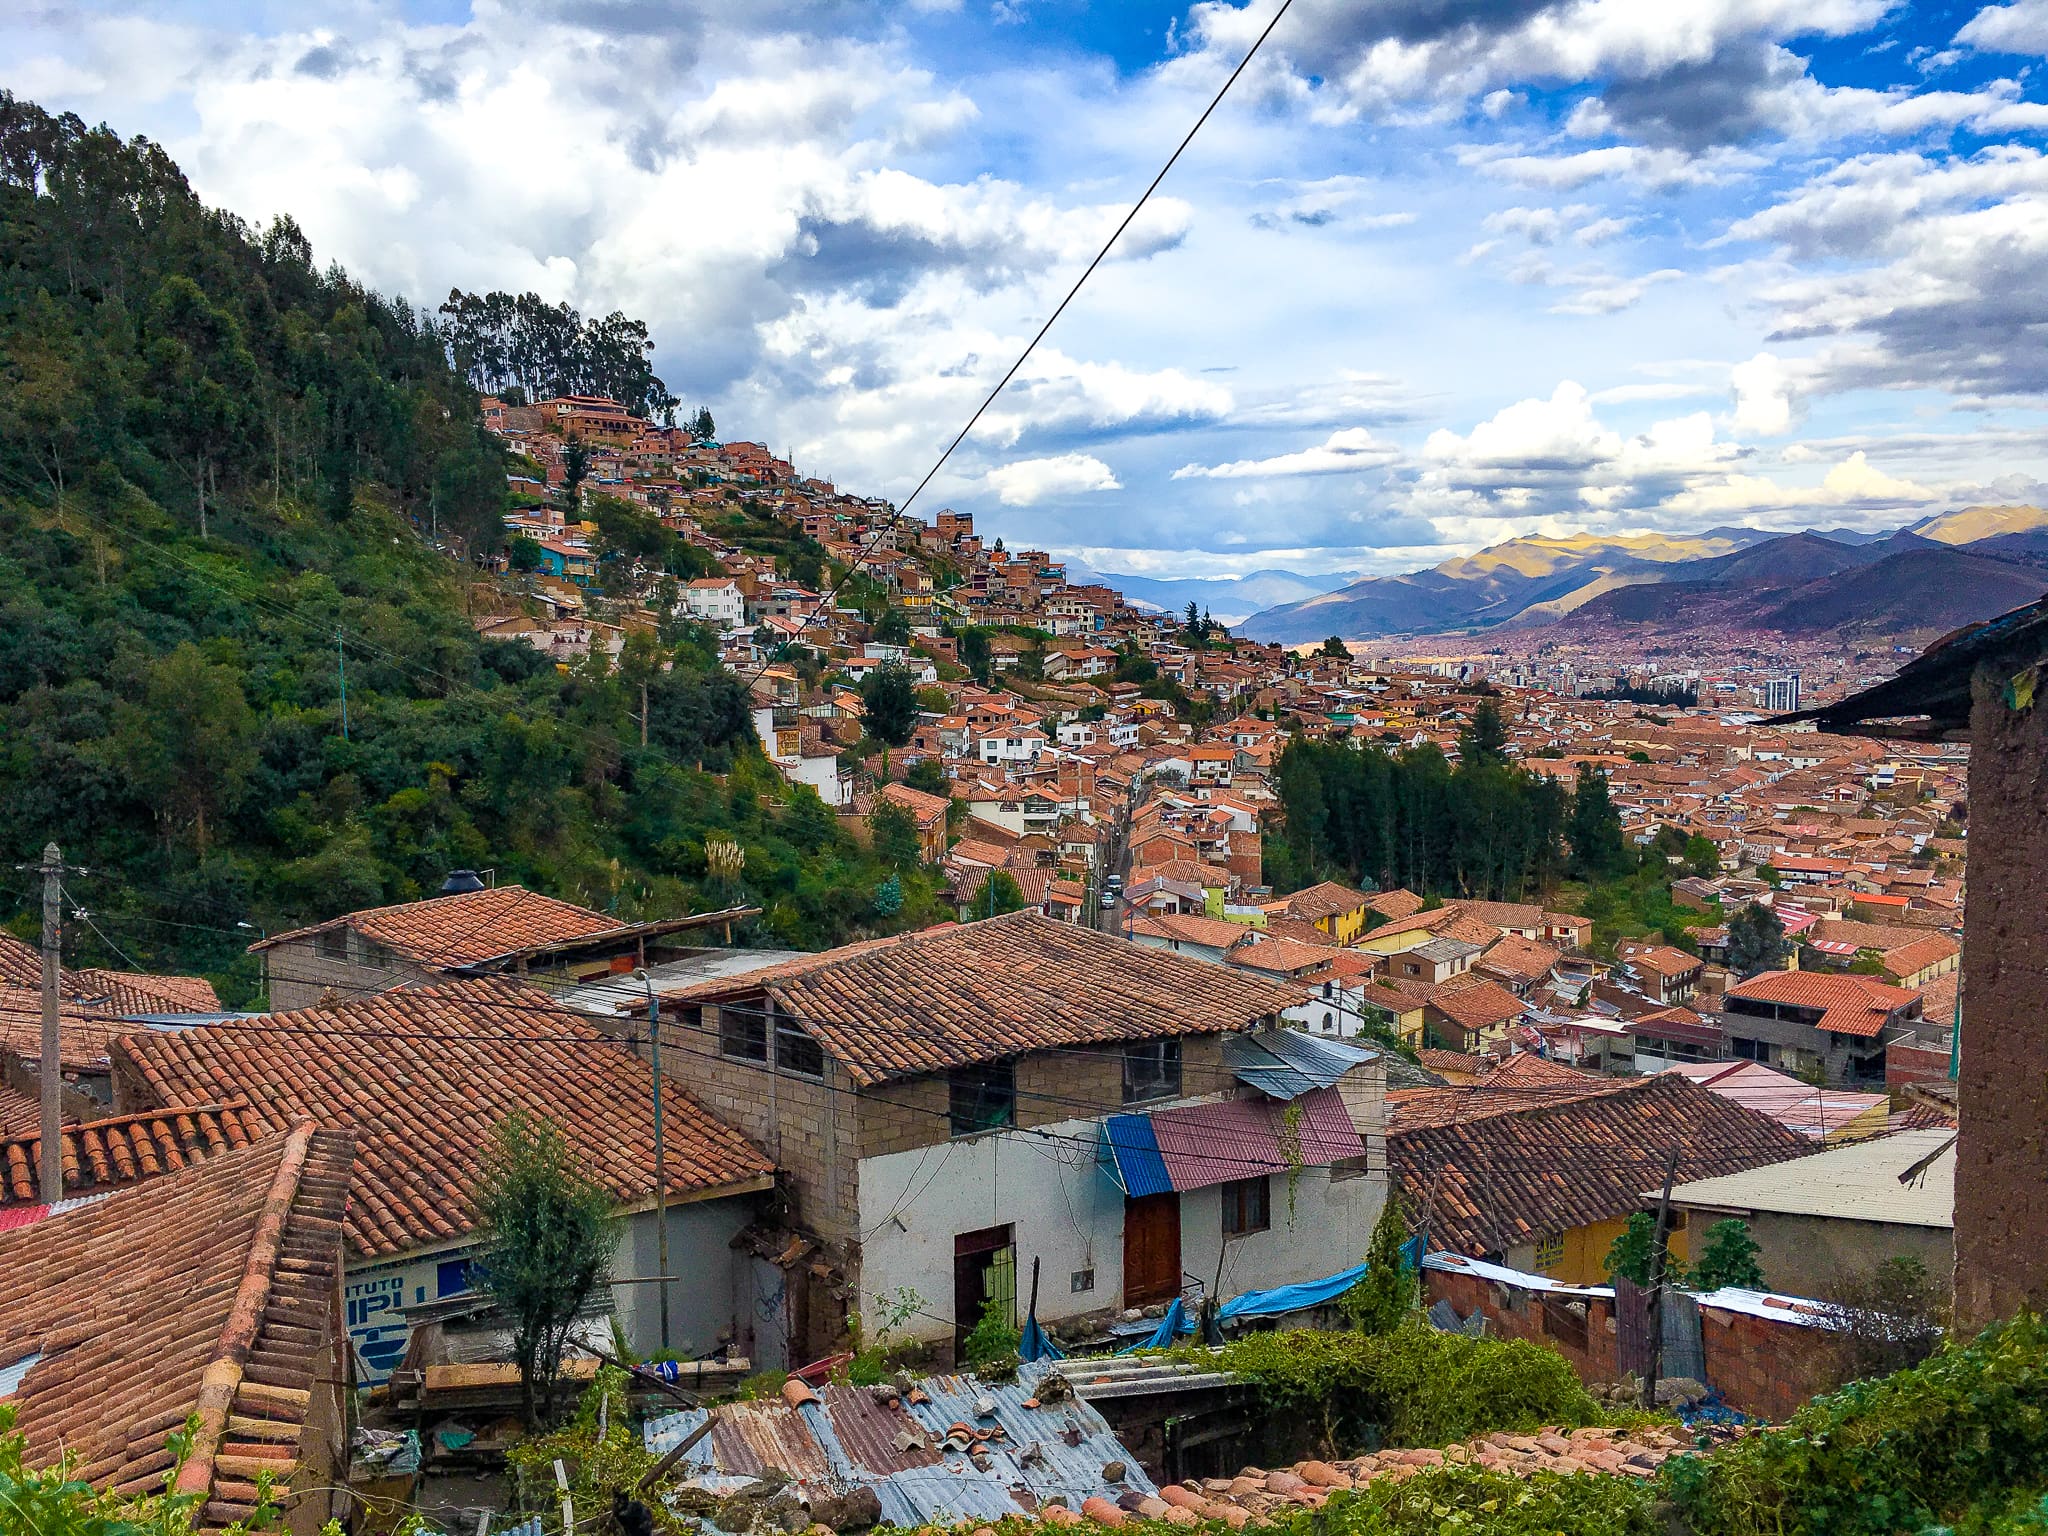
(952, 1107)
(1812, 1023)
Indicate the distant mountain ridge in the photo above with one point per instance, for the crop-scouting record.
(1228, 599)
(1587, 580)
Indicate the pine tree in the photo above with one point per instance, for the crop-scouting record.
(1381, 1301)
(1594, 827)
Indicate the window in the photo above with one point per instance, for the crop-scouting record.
(982, 1098)
(743, 1034)
(1081, 1280)
(796, 1051)
(1247, 1206)
(1329, 1023)
(332, 944)
(1151, 1070)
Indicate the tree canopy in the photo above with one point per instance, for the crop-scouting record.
(230, 477)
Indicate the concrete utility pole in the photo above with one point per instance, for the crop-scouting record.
(660, 1156)
(50, 1068)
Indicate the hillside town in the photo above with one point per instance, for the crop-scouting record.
(564, 976)
(1135, 1081)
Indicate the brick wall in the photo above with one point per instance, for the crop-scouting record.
(2001, 1194)
(1763, 1368)
(299, 976)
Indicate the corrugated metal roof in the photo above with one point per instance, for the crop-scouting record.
(1130, 1156)
(1207, 1144)
(1287, 1063)
(11, 1376)
(850, 1436)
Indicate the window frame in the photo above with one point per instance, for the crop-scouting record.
(743, 1035)
(797, 1051)
(331, 944)
(972, 1093)
(1239, 1217)
(1172, 1063)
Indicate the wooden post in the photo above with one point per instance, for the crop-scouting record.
(51, 1068)
(1657, 1281)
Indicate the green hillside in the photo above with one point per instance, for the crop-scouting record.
(218, 467)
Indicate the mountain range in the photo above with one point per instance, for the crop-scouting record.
(1940, 572)
(1228, 599)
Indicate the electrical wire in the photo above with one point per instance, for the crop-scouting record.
(862, 555)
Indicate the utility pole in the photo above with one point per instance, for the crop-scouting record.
(50, 1066)
(341, 665)
(1657, 1281)
(660, 1156)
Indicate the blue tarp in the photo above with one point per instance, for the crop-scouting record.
(1036, 1345)
(1272, 1303)
(1175, 1321)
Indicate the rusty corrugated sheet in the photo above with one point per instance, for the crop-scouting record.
(868, 1425)
(754, 1437)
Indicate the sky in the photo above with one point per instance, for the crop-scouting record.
(1435, 274)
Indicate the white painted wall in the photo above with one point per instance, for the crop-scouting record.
(1065, 1211)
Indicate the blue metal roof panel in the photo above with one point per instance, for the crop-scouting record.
(1286, 1063)
(1130, 1156)
(11, 1376)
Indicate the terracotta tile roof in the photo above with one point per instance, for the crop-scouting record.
(1477, 1007)
(21, 965)
(1397, 994)
(1658, 959)
(1394, 903)
(950, 996)
(927, 808)
(83, 1034)
(449, 931)
(1326, 898)
(1189, 928)
(1460, 1063)
(1280, 957)
(137, 992)
(1519, 958)
(123, 1149)
(1930, 949)
(422, 1074)
(1851, 1005)
(1541, 1170)
(1506, 914)
(21, 1112)
(210, 1293)
(1523, 1082)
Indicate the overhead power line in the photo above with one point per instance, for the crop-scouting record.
(874, 540)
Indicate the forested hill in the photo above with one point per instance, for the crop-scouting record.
(218, 467)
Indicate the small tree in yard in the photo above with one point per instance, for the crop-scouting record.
(1756, 940)
(1729, 1257)
(1629, 1254)
(1383, 1299)
(545, 1239)
(1887, 1318)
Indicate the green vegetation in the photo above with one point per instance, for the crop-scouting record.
(1728, 1257)
(998, 893)
(48, 1501)
(1633, 1253)
(1380, 1303)
(1484, 829)
(1756, 940)
(545, 1240)
(1961, 1441)
(1412, 1387)
(219, 470)
(991, 1346)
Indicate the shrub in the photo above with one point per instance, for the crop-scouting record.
(1413, 1386)
(1951, 1441)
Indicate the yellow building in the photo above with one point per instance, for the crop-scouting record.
(1336, 909)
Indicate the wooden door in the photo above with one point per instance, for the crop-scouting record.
(1151, 1248)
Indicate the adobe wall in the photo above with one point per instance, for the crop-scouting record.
(1763, 1368)
(2002, 1154)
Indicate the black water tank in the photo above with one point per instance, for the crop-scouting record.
(461, 882)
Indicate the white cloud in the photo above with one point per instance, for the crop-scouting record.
(1026, 481)
(1853, 483)
(1353, 448)
(2018, 28)
(1763, 395)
